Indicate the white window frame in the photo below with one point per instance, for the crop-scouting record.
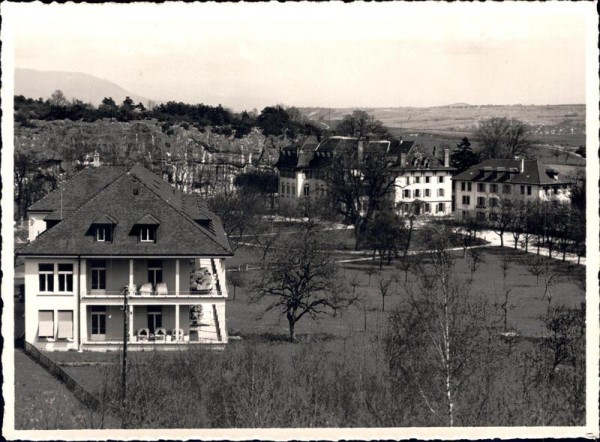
(63, 275)
(98, 268)
(149, 232)
(154, 267)
(101, 233)
(440, 192)
(427, 193)
(48, 277)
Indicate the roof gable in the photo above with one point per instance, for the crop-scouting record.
(177, 234)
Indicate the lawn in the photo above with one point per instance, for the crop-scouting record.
(42, 402)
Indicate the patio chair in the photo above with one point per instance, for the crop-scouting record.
(146, 289)
(177, 334)
(160, 334)
(143, 334)
(161, 289)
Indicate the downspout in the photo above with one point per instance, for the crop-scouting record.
(79, 302)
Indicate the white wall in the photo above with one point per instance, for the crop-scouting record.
(36, 301)
(407, 181)
(36, 224)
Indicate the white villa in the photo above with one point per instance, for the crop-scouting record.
(478, 189)
(423, 181)
(115, 231)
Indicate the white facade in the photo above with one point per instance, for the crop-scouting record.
(77, 303)
(478, 199)
(36, 224)
(431, 188)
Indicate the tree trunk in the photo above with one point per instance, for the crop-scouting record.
(382, 303)
(292, 327)
(501, 239)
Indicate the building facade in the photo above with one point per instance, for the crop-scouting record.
(423, 181)
(113, 232)
(479, 189)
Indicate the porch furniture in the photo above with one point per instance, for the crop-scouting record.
(201, 280)
(161, 289)
(160, 334)
(143, 334)
(146, 289)
(177, 334)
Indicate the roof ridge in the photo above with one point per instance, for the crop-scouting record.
(185, 215)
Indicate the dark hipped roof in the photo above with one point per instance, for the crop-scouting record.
(186, 227)
(507, 171)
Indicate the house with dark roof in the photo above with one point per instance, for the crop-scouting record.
(423, 179)
(478, 189)
(115, 232)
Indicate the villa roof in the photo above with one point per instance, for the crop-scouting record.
(185, 226)
(508, 171)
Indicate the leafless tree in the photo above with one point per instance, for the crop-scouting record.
(534, 267)
(476, 258)
(503, 137)
(384, 285)
(235, 279)
(301, 279)
(502, 217)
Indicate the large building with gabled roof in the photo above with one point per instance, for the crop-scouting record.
(479, 189)
(115, 231)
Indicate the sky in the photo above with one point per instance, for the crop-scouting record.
(248, 56)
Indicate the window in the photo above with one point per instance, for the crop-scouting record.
(407, 180)
(528, 190)
(480, 187)
(469, 187)
(506, 188)
(440, 192)
(440, 179)
(288, 189)
(417, 179)
(306, 190)
(417, 193)
(555, 190)
(427, 208)
(406, 208)
(406, 193)
(98, 274)
(46, 277)
(65, 277)
(427, 192)
(466, 200)
(463, 186)
(282, 188)
(493, 216)
(426, 179)
(154, 317)
(155, 272)
(440, 207)
(480, 201)
(98, 322)
(65, 324)
(480, 216)
(104, 233)
(493, 202)
(294, 189)
(148, 234)
(494, 188)
(46, 324)
(522, 190)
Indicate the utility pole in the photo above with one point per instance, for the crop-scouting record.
(124, 365)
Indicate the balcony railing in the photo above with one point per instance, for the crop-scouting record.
(211, 292)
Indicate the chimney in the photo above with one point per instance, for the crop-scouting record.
(96, 162)
(446, 157)
(361, 148)
(400, 139)
(522, 167)
(434, 149)
(402, 159)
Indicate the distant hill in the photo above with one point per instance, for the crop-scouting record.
(35, 84)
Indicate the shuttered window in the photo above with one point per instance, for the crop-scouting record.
(65, 324)
(46, 324)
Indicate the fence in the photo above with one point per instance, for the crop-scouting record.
(80, 393)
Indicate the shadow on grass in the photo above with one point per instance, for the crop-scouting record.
(281, 338)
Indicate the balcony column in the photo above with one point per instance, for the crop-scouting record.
(131, 316)
(130, 273)
(176, 317)
(177, 277)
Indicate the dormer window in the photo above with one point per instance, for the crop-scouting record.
(148, 233)
(102, 228)
(103, 233)
(146, 229)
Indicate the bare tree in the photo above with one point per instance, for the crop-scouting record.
(551, 275)
(534, 266)
(235, 279)
(384, 285)
(300, 279)
(503, 137)
(238, 213)
(476, 258)
(502, 216)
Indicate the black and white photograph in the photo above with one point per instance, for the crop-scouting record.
(301, 220)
